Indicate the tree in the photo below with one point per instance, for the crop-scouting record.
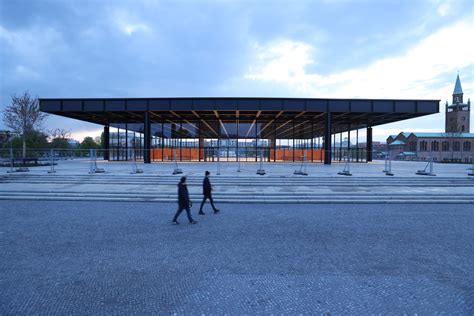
(60, 138)
(89, 143)
(60, 133)
(23, 116)
(33, 140)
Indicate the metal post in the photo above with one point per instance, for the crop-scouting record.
(51, 153)
(176, 169)
(11, 158)
(472, 168)
(135, 168)
(91, 158)
(388, 164)
(347, 168)
(261, 171)
(428, 165)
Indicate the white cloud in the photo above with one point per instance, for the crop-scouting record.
(444, 8)
(34, 45)
(24, 72)
(281, 61)
(409, 75)
(128, 23)
(129, 29)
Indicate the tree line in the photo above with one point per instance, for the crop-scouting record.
(24, 121)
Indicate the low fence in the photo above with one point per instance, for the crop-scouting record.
(302, 162)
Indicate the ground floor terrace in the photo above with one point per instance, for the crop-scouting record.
(238, 129)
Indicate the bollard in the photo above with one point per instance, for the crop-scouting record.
(51, 153)
(472, 168)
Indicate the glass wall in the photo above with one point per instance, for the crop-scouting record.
(232, 141)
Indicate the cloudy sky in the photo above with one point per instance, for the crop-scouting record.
(275, 48)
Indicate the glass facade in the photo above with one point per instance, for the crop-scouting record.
(231, 141)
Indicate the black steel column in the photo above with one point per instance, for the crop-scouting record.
(256, 142)
(147, 139)
(312, 140)
(349, 137)
(274, 143)
(369, 144)
(349, 141)
(327, 140)
(162, 141)
(200, 142)
(340, 146)
(293, 137)
(106, 144)
(357, 145)
(126, 141)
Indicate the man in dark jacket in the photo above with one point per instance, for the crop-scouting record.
(207, 192)
(183, 202)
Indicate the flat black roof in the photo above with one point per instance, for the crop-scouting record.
(357, 112)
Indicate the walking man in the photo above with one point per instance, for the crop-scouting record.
(183, 202)
(207, 192)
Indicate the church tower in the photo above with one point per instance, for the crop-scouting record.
(457, 114)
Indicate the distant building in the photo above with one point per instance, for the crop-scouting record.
(456, 144)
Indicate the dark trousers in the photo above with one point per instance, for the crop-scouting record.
(207, 196)
(178, 212)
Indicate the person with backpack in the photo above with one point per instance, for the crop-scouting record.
(184, 203)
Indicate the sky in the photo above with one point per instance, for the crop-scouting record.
(269, 48)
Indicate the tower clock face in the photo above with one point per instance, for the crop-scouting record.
(463, 118)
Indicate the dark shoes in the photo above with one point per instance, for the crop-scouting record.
(177, 223)
(201, 213)
(216, 211)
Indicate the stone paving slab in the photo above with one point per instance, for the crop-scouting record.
(126, 258)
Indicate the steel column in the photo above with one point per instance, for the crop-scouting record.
(147, 138)
(327, 140)
(106, 145)
(369, 144)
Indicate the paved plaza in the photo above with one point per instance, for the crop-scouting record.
(81, 166)
(62, 257)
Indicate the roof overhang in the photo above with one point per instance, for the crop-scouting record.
(346, 113)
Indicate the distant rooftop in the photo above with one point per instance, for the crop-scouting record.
(398, 142)
(444, 135)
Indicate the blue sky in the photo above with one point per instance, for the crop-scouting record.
(367, 49)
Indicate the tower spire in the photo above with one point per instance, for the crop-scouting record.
(457, 86)
(457, 93)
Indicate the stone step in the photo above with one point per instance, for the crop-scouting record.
(218, 195)
(158, 179)
(247, 197)
(362, 200)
